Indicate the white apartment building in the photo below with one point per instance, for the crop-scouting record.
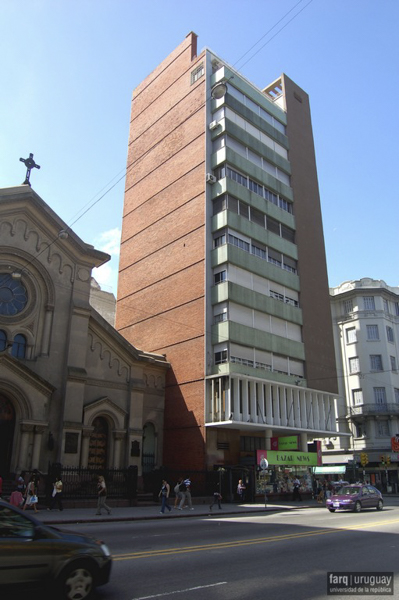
(365, 317)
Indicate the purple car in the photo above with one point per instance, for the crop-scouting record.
(355, 497)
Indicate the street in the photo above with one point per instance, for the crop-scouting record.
(277, 555)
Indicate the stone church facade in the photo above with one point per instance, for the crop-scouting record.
(72, 389)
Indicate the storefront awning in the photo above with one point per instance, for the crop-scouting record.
(332, 470)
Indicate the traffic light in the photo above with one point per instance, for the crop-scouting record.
(364, 459)
(382, 459)
(388, 459)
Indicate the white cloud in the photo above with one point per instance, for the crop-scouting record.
(109, 241)
(107, 275)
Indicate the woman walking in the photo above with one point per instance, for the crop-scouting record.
(164, 495)
(31, 494)
(102, 496)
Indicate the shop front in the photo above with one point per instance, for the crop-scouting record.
(284, 467)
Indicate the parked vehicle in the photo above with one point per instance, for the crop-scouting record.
(355, 497)
(31, 553)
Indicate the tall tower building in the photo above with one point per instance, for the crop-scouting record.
(222, 264)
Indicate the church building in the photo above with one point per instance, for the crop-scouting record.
(72, 389)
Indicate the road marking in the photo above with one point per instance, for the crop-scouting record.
(249, 542)
(198, 587)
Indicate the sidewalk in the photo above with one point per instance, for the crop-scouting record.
(143, 513)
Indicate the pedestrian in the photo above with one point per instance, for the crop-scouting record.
(21, 483)
(296, 494)
(102, 496)
(217, 497)
(31, 498)
(314, 489)
(319, 493)
(16, 498)
(241, 490)
(185, 488)
(56, 496)
(177, 492)
(164, 495)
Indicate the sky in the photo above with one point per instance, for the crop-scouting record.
(68, 69)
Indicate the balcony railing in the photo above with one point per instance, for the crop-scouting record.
(374, 409)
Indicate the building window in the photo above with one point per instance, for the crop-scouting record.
(197, 73)
(220, 241)
(260, 190)
(220, 317)
(3, 340)
(357, 396)
(382, 428)
(359, 431)
(354, 366)
(393, 363)
(380, 396)
(397, 309)
(348, 306)
(390, 334)
(368, 303)
(220, 357)
(13, 295)
(351, 335)
(372, 332)
(236, 241)
(386, 305)
(220, 277)
(376, 362)
(396, 392)
(19, 346)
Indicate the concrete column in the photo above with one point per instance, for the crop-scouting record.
(304, 442)
(268, 438)
(37, 444)
(48, 319)
(269, 404)
(283, 405)
(118, 437)
(276, 405)
(23, 461)
(245, 401)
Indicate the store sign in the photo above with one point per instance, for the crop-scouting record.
(395, 443)
(289, 442)
(288, 458)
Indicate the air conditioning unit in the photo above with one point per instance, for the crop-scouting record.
(213, 125)
(210, 178)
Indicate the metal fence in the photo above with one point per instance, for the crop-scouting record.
(81, 483)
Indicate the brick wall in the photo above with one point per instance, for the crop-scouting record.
(161, 281)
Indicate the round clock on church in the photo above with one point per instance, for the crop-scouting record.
(13, 296)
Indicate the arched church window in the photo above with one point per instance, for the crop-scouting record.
(19, 346)
(3, 340)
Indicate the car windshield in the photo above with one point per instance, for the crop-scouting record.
(349, 491)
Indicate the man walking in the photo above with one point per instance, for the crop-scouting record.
(185, 489)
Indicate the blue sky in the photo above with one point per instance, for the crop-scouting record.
(68, 70)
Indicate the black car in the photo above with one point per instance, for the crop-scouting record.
(70, 564)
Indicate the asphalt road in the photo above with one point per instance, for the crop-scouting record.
(284, 555)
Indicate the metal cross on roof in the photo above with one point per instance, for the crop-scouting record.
(29, 164)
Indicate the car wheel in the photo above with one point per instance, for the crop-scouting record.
(358, 507)
(77, 582)
(331, 509)
(380, 505)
